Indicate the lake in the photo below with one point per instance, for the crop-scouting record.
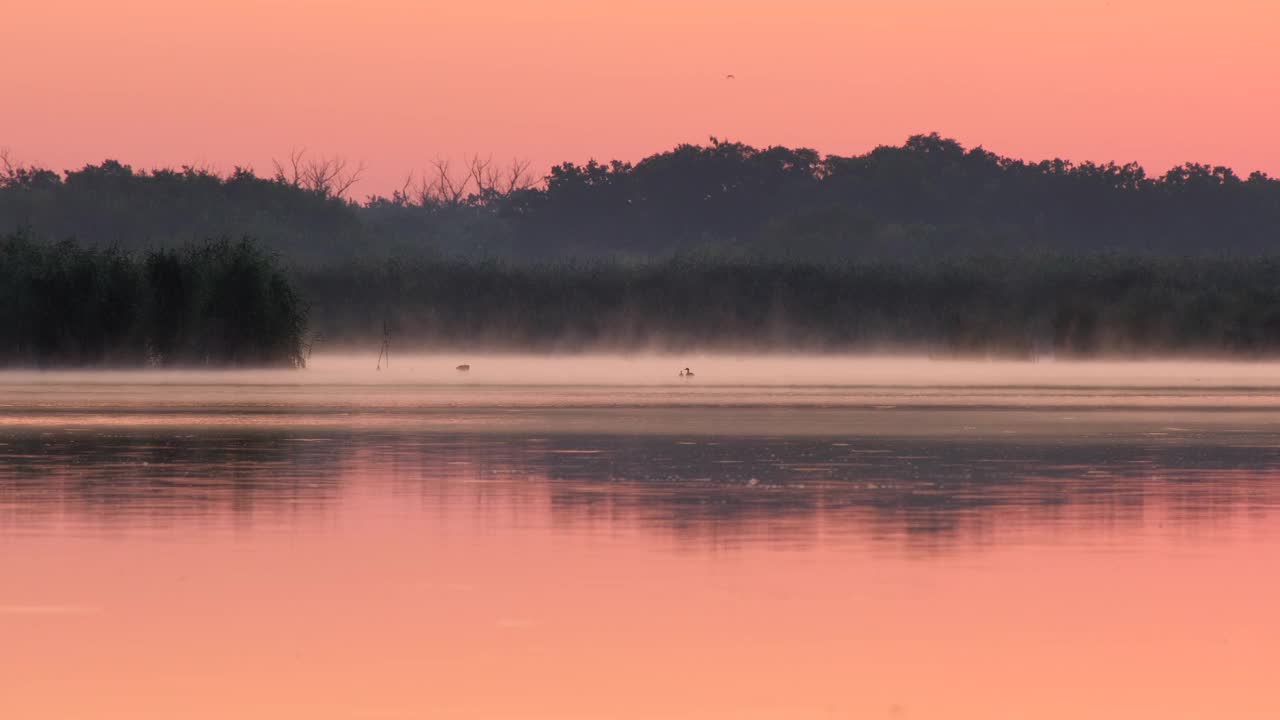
(596, 537)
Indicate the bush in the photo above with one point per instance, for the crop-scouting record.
(220, 303)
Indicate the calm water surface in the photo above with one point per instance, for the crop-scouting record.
(596, 538)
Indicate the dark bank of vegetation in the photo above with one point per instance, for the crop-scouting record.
(230, 304)
(925, 198)
(924, 247)
(211, 304)
(1016, 306)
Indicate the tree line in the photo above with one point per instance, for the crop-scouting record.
(930, 196)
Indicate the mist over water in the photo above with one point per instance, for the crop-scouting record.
(605, 393)
(765, 369)
(594, 536)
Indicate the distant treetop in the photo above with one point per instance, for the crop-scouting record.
(930, 195)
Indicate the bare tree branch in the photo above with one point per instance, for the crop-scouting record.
(480, 183)
(483, 175)
(291, 175)
(518, 177)
(443, 189)
(401, 197)
(8, 165)
(341, 179)
(326, 176)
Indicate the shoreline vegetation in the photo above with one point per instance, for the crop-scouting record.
(928, 248)
(212, 304)
(1030, 306)
(231, 304)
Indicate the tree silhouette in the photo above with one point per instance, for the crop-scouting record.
(929, 195)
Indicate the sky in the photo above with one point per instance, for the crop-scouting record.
(398, 83)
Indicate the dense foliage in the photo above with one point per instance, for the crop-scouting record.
(1021, 306)
(926, 247)
(229, 304)
(928, 197)
(216, 303)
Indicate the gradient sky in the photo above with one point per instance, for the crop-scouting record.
(400, 82)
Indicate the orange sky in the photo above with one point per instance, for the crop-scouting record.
(399, 82)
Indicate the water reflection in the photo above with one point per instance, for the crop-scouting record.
(177, 479)
(263, 573)
(911, 493)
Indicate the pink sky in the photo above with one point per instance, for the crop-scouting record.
(397, 83)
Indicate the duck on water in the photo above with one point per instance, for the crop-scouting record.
(686, 373)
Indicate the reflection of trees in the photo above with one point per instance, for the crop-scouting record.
(168, 476)
(927, 495)
(924, 495)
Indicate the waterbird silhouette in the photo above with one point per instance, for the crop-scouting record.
(463, 367)
(385, 350)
